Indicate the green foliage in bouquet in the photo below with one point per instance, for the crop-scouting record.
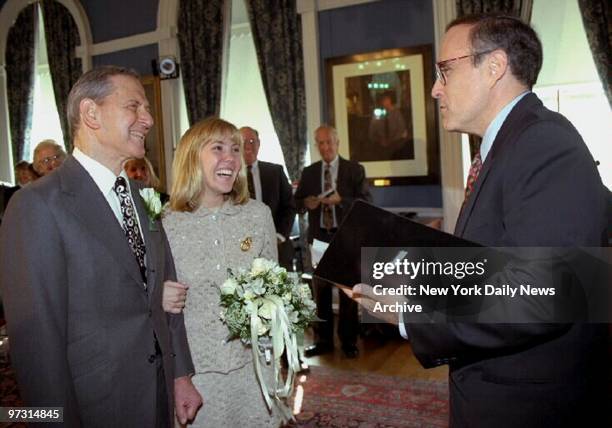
(263, 288)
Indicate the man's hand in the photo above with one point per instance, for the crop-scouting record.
(312, 202)
(365, 296)
(333, 199)
(174, 297)
(187, 399)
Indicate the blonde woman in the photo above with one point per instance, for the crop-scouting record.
(212, 225)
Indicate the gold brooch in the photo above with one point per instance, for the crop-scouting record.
(245, 245)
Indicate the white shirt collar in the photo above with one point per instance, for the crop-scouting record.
(102, 176)
(492, 130)
(333, 164)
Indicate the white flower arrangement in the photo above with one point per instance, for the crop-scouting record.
(152, 202)
(268, 306)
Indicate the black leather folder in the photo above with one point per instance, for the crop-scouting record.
(366, 225)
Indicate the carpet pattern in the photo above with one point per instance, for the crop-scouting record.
(340, 398)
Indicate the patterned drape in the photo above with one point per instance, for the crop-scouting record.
(597, 20)
(277, 33)
(20, 78)
(200, 35)
(62, 40)
(518, 8)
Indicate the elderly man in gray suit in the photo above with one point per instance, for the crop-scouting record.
(82, 269)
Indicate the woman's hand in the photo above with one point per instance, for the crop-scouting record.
(174, 297)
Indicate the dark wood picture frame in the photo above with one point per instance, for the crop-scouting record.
(154, 143)
(357, 86)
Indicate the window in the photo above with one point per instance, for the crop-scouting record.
(244, 100)
(45, 119)
(568, 82)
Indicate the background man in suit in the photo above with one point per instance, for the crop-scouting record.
(520, 192)
(269, 184)
(347, 181)
(83, 299)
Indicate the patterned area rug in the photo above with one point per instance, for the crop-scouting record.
(9, 394)
(329, 397)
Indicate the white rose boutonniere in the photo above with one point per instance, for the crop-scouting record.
(153, 205)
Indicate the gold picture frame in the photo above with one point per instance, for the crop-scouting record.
(381, 106)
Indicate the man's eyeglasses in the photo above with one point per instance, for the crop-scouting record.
(442, 65)
(49, 159)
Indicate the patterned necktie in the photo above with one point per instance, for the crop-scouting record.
(130, 225)
(328, 214)
(250, 181)
(473, 175)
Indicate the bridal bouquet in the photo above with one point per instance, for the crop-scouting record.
(267, 307)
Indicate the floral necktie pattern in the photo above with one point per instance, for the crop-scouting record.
(473, 174)
(130, 225)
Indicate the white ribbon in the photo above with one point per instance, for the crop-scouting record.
(282, 339)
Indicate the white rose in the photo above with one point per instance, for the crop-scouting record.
(248, 295)
(265, 310)
(257, 286)
(229, 286)
(156, 205)
(259, 266)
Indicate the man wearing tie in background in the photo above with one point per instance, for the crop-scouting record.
(83, 299)
(327, 190)
(533, 183)
(269, 184)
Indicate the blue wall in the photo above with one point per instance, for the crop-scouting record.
(113, 19)
(370, 27)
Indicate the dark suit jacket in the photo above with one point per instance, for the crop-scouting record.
(81, 324)
(276, 193)
(538, 187)
(351, 185)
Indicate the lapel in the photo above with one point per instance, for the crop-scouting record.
(505, 134)
(343, 174)
(149, 232)
(83, 199)
(265, 178)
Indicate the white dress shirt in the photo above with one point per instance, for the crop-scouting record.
(105, 180)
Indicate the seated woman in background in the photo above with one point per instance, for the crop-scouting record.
(212, 225)
(142, 170)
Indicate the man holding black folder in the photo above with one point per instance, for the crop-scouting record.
(327, 190)
(533, 183)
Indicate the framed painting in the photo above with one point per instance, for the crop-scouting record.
(380, 104)
(154, 143)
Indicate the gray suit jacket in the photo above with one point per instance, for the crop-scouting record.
(81, 324)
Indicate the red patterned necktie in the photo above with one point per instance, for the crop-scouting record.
(328, 215)
(473, 175)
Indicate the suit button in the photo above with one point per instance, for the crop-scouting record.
(216, 242)
(172, 354)
(150, 313)
(151, 358)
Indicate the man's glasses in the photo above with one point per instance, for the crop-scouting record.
(441, 66)
(46, 161)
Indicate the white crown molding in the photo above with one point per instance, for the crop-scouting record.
(320, 5)
(130, 42)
